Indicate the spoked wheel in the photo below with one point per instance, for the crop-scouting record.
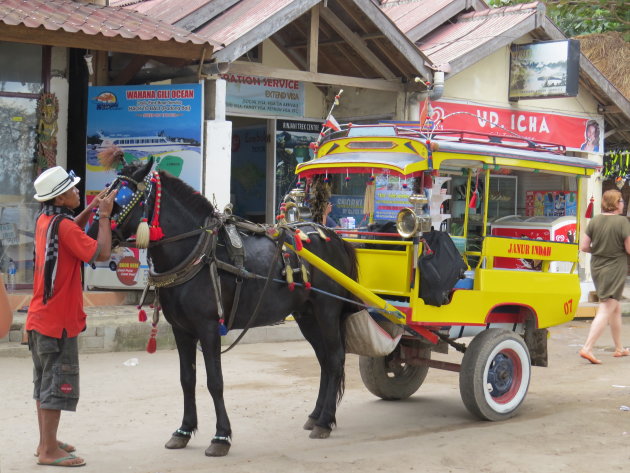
(390, 377)
(495, 374)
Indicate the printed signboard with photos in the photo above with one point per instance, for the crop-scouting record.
(545, 69)
(162, 122)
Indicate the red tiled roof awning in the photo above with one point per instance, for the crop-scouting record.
(69, 23)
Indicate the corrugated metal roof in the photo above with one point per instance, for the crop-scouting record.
(472, 31)
(240, 19)
(409, 14)
(224, 28)
(170, 11)
(90, 19)
(236, 23)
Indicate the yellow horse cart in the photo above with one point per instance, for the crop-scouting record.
(511, 289)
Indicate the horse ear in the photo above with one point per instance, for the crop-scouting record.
(144, 170)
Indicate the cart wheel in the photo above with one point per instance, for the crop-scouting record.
(390, 377)
(495, 374)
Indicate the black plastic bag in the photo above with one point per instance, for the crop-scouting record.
(441, 266)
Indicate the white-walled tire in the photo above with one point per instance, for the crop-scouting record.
(495, 374)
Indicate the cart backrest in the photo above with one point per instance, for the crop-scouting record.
(546, 251)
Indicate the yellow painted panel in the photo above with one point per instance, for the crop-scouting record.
(553, 297)
(385, 271)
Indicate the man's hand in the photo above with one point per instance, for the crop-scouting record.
(106, 203)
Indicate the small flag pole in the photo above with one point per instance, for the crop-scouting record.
(324, 127)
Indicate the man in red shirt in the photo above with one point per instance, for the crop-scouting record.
(55, 316)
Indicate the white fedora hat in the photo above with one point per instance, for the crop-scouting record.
(53, 182)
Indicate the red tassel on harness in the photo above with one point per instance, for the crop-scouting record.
(589, 209)
(142, 315)
(298, 242)
(155, 233)
(152, 344)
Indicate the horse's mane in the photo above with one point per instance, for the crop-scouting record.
(187, 195)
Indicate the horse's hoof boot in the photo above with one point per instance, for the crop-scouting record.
(319, 433)
(217, 449)
(177, 442)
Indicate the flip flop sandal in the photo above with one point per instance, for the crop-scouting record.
(619, 353)
(59, 462)
(590, 358)
(64, 446)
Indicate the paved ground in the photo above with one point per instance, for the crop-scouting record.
(572, 419)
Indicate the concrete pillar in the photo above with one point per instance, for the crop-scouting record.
(217, 144)
(215, 91)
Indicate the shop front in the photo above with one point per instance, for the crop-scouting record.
(274, 122)
(21, 85)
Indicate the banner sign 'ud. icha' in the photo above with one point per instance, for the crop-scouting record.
(560, 129)
(575, 133)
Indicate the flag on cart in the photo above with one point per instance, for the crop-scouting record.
(332, 123)
(424, 112)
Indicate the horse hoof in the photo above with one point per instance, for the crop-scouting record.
(217, 449)
(310, 423)
(319, 432)
(177, 442)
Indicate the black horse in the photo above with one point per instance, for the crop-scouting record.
(190, 306)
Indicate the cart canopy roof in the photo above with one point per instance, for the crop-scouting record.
(407, 152)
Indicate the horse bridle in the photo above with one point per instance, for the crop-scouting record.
(127, 202)
(140, 196)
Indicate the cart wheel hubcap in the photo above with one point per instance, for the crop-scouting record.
(504, 375)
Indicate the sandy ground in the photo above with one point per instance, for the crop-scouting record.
(571, 420)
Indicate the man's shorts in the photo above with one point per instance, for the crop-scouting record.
(55, 371)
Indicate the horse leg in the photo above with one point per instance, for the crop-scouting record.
(325, 337)
(310, 331)
(211, 345)
(186, 347)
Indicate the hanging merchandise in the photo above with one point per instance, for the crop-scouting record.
(620, 182)
(616, 164)
(589, 208)
(475, 196)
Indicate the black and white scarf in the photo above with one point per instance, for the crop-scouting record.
(52, 245)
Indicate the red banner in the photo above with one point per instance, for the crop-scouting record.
(573, 132)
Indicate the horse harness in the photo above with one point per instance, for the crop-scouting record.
(204, 252)
(227, 229)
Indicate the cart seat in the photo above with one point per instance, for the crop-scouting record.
(466, 283)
